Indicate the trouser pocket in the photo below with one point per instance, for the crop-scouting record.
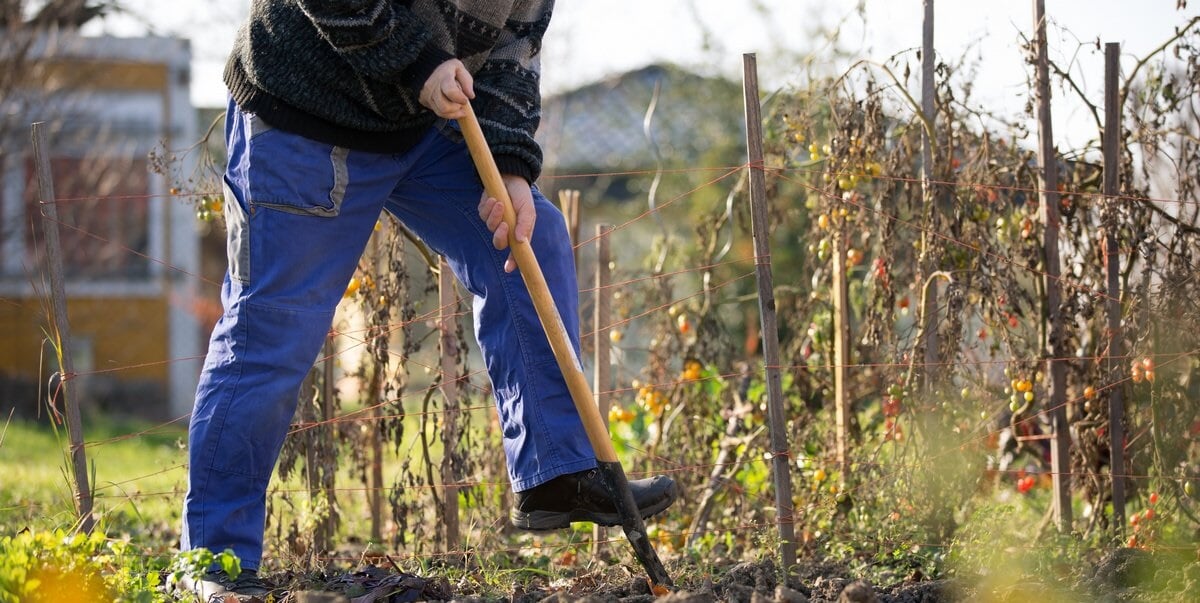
(280, 173)
(291, 173)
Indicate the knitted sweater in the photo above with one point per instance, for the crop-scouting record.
(349, 72)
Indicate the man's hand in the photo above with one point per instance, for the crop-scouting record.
(448, 90)
(491, 211)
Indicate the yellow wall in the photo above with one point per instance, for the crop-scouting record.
(75, 73)
(135, 335)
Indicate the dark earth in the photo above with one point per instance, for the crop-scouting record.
(1122, 575)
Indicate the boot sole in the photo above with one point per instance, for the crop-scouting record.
(546, 521)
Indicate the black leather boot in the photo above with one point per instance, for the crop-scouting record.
(582, 496)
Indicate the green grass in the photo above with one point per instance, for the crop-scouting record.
(138, 480)
(138, 474)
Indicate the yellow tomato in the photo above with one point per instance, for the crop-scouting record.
(352, 287)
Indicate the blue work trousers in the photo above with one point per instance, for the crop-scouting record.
(299, 214)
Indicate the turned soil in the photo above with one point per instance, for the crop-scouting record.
(1122, 575)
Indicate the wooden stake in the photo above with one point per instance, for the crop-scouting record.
(781, 457)
(841, 347)
(602, 322)
(602, 380)
(1055, 348)
(448, 301)
(62, 327)
(375, 480)
(1112, 260)
(568, 201)
(928, 309)
(375, 497)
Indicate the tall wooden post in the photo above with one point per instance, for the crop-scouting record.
(1112, 265)
(374, 399)
(375, 487)
(602, 380)
(841, 346)
(929, 342)
(1055, 348)
(781, 457)
(602, 321)
(447, 322)
(62, 327)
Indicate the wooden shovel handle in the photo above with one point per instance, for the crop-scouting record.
(613, 476)
(535, 282)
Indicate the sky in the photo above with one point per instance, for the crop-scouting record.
(591, 39)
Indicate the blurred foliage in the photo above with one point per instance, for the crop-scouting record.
(62, 567)
(947, 471)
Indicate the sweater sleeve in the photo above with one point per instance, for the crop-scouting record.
(378, 38)
(507, 90)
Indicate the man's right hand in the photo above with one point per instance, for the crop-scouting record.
(491, 211)
(448, 90)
